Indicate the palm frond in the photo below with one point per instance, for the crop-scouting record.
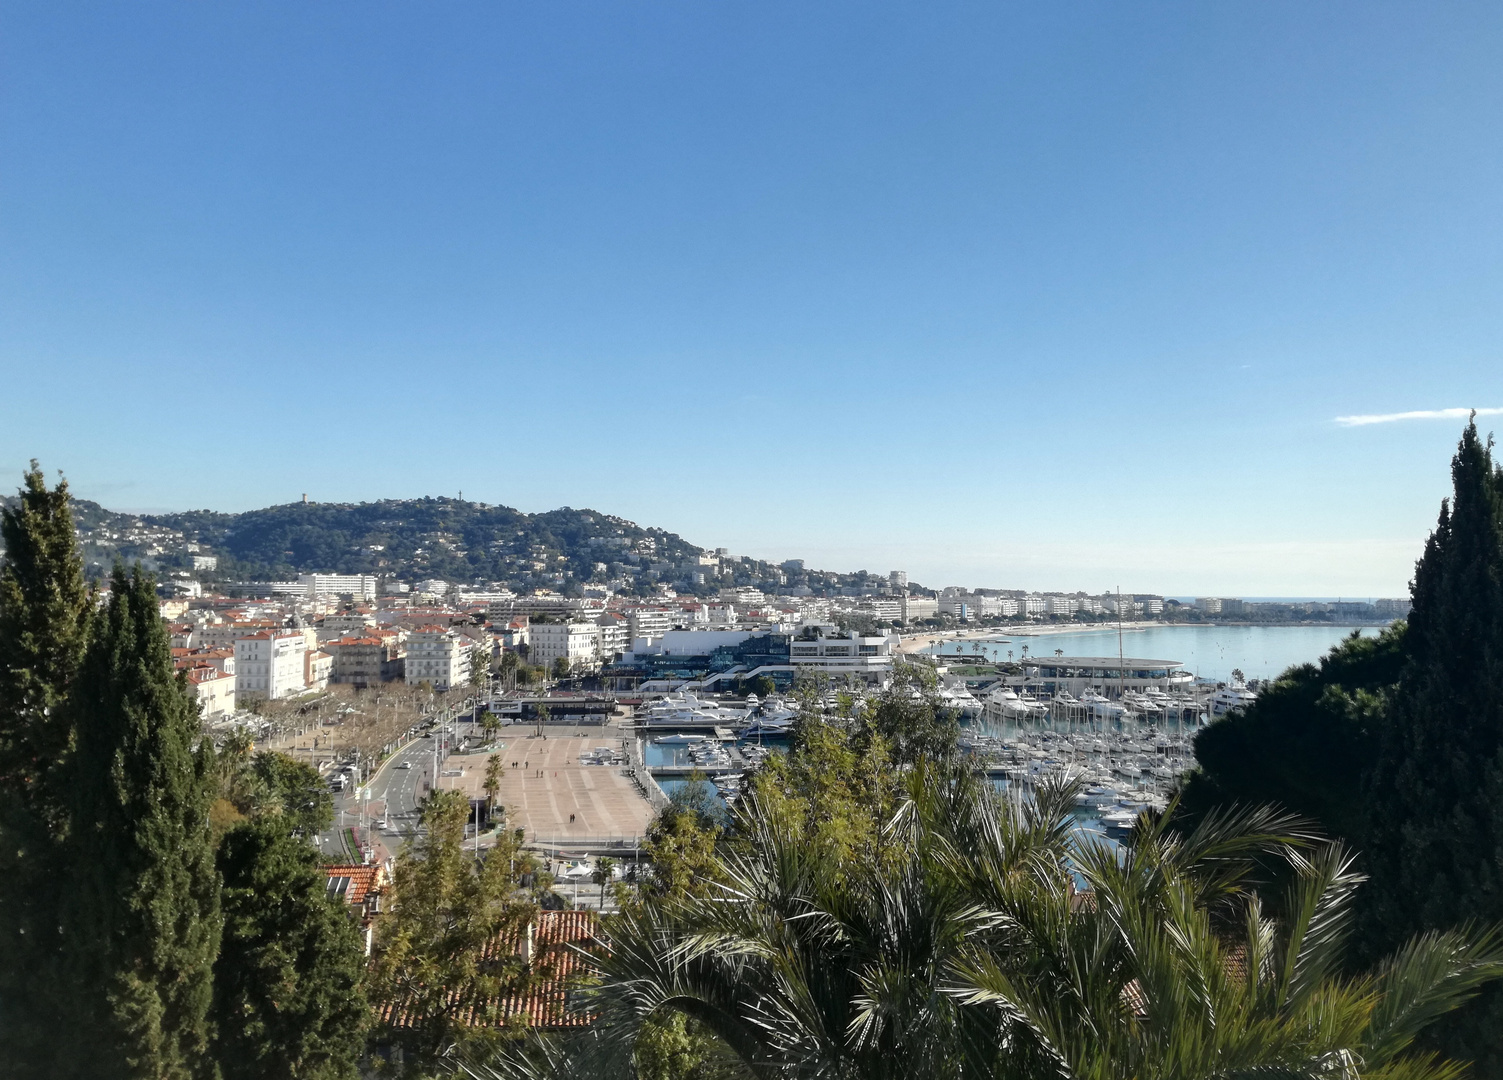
(1431, 975)
(1317, 921)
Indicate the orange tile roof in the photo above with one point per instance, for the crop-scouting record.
(557, 965)
(353, 883)
(206, 674)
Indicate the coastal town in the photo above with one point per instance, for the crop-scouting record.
(751, 542)
(609, 701)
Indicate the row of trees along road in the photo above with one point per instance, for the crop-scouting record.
(874, 908)
(162, 914)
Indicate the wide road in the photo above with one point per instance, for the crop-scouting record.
(395, 792)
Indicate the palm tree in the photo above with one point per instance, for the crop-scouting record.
(509, 663)
(965, 948)
(605, 869)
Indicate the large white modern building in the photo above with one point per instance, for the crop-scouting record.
(439, 657)
(577, 642)
(1109, 676)
(271, 664)
(360, 586)
(842, 654)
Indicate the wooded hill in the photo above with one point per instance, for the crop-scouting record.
(414, 539)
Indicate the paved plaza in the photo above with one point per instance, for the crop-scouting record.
(549, 794)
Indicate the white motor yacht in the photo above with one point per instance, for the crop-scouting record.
(1235, 695)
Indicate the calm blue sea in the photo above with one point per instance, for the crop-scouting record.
(1209, 652)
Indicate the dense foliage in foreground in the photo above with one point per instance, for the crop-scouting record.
(1396, 746)
(162, 915)
(877, 910)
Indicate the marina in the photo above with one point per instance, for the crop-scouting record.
(1122, 726)
(1207, 653)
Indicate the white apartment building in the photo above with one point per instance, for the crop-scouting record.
(360, 586)
(439, 657)
(916, 608)
(840, 654)
(720, 614)
(318, 666)
(615, 635)
(270, 665)
(882, 607)
(578, 642)
(214, 691)
(1059, 605)
(745, 595)
(1031, 605)
(651, 622)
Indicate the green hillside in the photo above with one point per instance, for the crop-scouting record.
(413, 539)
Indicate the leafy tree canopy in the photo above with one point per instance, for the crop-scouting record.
(433, 966)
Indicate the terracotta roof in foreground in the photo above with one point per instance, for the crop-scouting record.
(556, 967)
(353, 883)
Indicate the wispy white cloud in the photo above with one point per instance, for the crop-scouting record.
(1419, 414)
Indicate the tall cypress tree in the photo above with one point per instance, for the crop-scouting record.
(44, 618)
(289, 999)
(1435, 796)
(143, 922)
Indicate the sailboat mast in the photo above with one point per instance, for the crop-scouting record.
(1121, 663)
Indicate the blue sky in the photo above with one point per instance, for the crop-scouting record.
(1041, 295)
